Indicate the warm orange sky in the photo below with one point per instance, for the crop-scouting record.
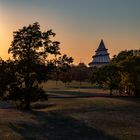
(79, 25)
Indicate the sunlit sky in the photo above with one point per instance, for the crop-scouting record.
(79, 24)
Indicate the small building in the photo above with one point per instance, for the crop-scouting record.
(101, 57)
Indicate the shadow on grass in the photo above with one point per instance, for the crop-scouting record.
(74, 94)
(87, 87)
(55, 126)
(42, 105)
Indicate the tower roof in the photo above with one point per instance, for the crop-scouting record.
(101, 46)
(101, 57)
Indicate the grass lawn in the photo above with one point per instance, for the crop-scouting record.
(52, 85)
(67, 116)
(100, 118)
(74, 89)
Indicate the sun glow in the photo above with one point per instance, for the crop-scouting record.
(4, 41)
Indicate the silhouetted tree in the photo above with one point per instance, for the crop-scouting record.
(98, 77)
(112, 77)
(122, 74)
(30, 48)
(80, 73)
(3, 78)
(63, 67)
(7, 77)
(129, 62)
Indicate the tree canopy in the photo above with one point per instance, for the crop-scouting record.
(30, 49)
(123, 73)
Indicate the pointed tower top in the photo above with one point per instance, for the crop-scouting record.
(101, 46)
(101, 57)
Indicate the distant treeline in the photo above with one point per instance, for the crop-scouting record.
(121, 75)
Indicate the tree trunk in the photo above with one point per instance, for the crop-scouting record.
(27, 100)
(111, 92)
(56, 82)
(27, 92)
(27, 83)
(65, 84)
(137, 92)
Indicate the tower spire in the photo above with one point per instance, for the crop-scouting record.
(101, 46)
(101, 56)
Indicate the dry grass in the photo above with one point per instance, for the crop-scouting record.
(98, 118)
(51, 85)
(73, 117)
(73, 89)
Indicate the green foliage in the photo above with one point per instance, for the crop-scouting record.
(80, 72)
(98, 77)
(64, 63)
(7, 77)
(108, 75)
(112, 77)
(131, 68)
(62, 69)
(123, 73)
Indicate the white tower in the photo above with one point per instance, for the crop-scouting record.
(101, 58)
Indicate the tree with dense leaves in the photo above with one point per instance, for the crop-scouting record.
(30, 49)
(3, 77)
(80, 73)
(130, 71)
(122, 74)
(98, 77)
(7, 78)
(112, 77)
(63, 68)
(108, 75)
